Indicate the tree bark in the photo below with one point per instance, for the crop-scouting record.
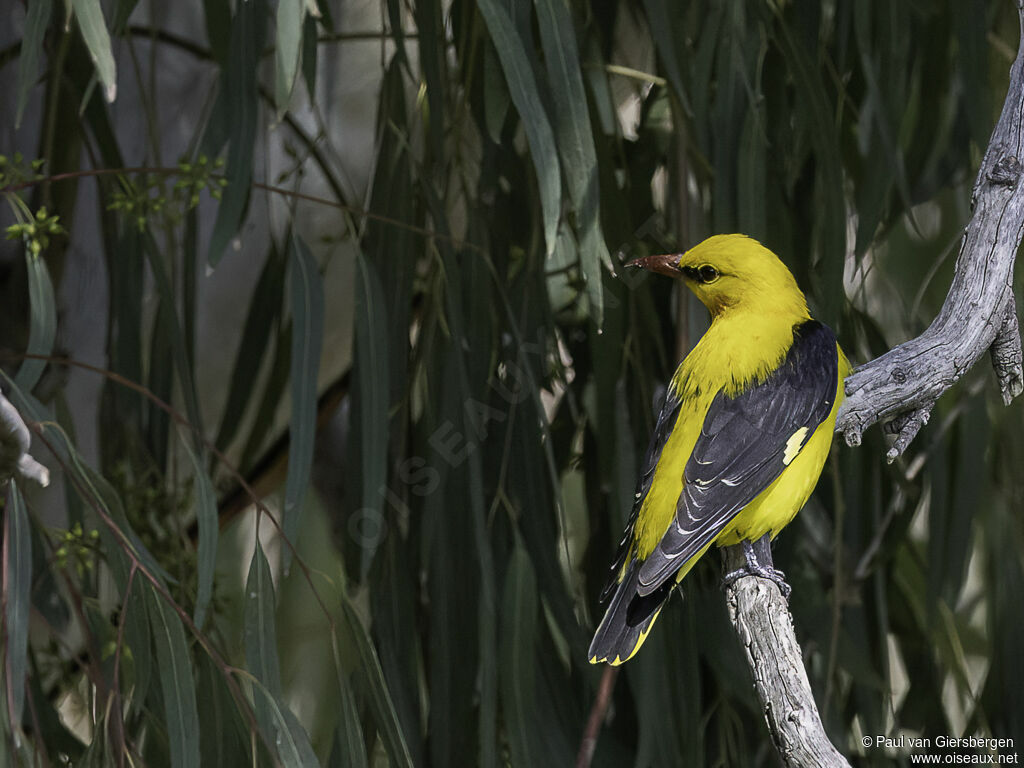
(760, 615)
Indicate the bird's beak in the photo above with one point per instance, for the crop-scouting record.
(664, 264)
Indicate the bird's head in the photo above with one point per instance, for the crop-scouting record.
(732, 272)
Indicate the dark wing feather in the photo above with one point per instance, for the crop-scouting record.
(741, 447)
(666, 421)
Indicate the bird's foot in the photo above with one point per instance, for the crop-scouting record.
(755, 567)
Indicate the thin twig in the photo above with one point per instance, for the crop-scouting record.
(426, 232)
(597, 714)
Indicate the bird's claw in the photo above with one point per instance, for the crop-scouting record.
(753, 567)
(772, 574)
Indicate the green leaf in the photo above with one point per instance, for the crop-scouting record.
(752, 171)
(374, 685)
(273, 394)
(206, 517)
(169, 320)
(519, 660)
(496, 96)
(174, 666)
(395, 22)
(523, 88)
(36, 22)
(576, 144)
(224, 742)
(17, 597)
(239, 102)
(290, 17)
(161, 384)
(307, 300)
(122, 12)
(818, 114)
(140, 641)
(265, 309)
(217, 14)
(309, 56)
(42, 321)
(348, 749)
(660, 24)
(89, 15)
(261, 636)
(431, 53)
(371, 370)
(393, 606)
(286, 733)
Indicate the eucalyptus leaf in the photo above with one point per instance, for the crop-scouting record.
(174, 669)
(307, 300)
(523, 89)
(42, 323)
(261, 640)
(89, 15)
(36, 22)
(17, 594)
(291, 16)
(209, 526)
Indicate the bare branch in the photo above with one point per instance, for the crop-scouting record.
(760, 616)
(15, 439)
(979, 312)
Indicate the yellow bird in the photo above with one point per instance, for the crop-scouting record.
(741, 439)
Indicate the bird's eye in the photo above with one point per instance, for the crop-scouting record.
(708, 274)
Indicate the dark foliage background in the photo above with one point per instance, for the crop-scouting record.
(389, 255)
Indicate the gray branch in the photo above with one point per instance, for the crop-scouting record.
(979, 313)
(15, 439)
(760, 616)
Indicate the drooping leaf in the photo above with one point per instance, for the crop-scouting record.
(518, 661)
(257, 334)
(576, 144)
(309, 56)
(291, 15)
(89, 15)
(307, 300)
(522, 87)
(272, 395)
(17, 597)
(174, 668)
(42, 321)
(206, 516)
(375, 687)
(371, 370)
(348, 749)
(239, 110)
(660, 23)
(224, 741)
(286, 733)
(261, 638)
(36, 22)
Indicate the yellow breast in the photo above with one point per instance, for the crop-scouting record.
(755, 347)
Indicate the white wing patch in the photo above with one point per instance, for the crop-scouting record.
(793, 445)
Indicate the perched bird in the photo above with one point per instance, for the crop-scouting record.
(741, 439)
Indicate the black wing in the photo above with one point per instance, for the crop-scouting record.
(742, 448)
(666, 421)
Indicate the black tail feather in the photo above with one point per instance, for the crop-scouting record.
(628, 619)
